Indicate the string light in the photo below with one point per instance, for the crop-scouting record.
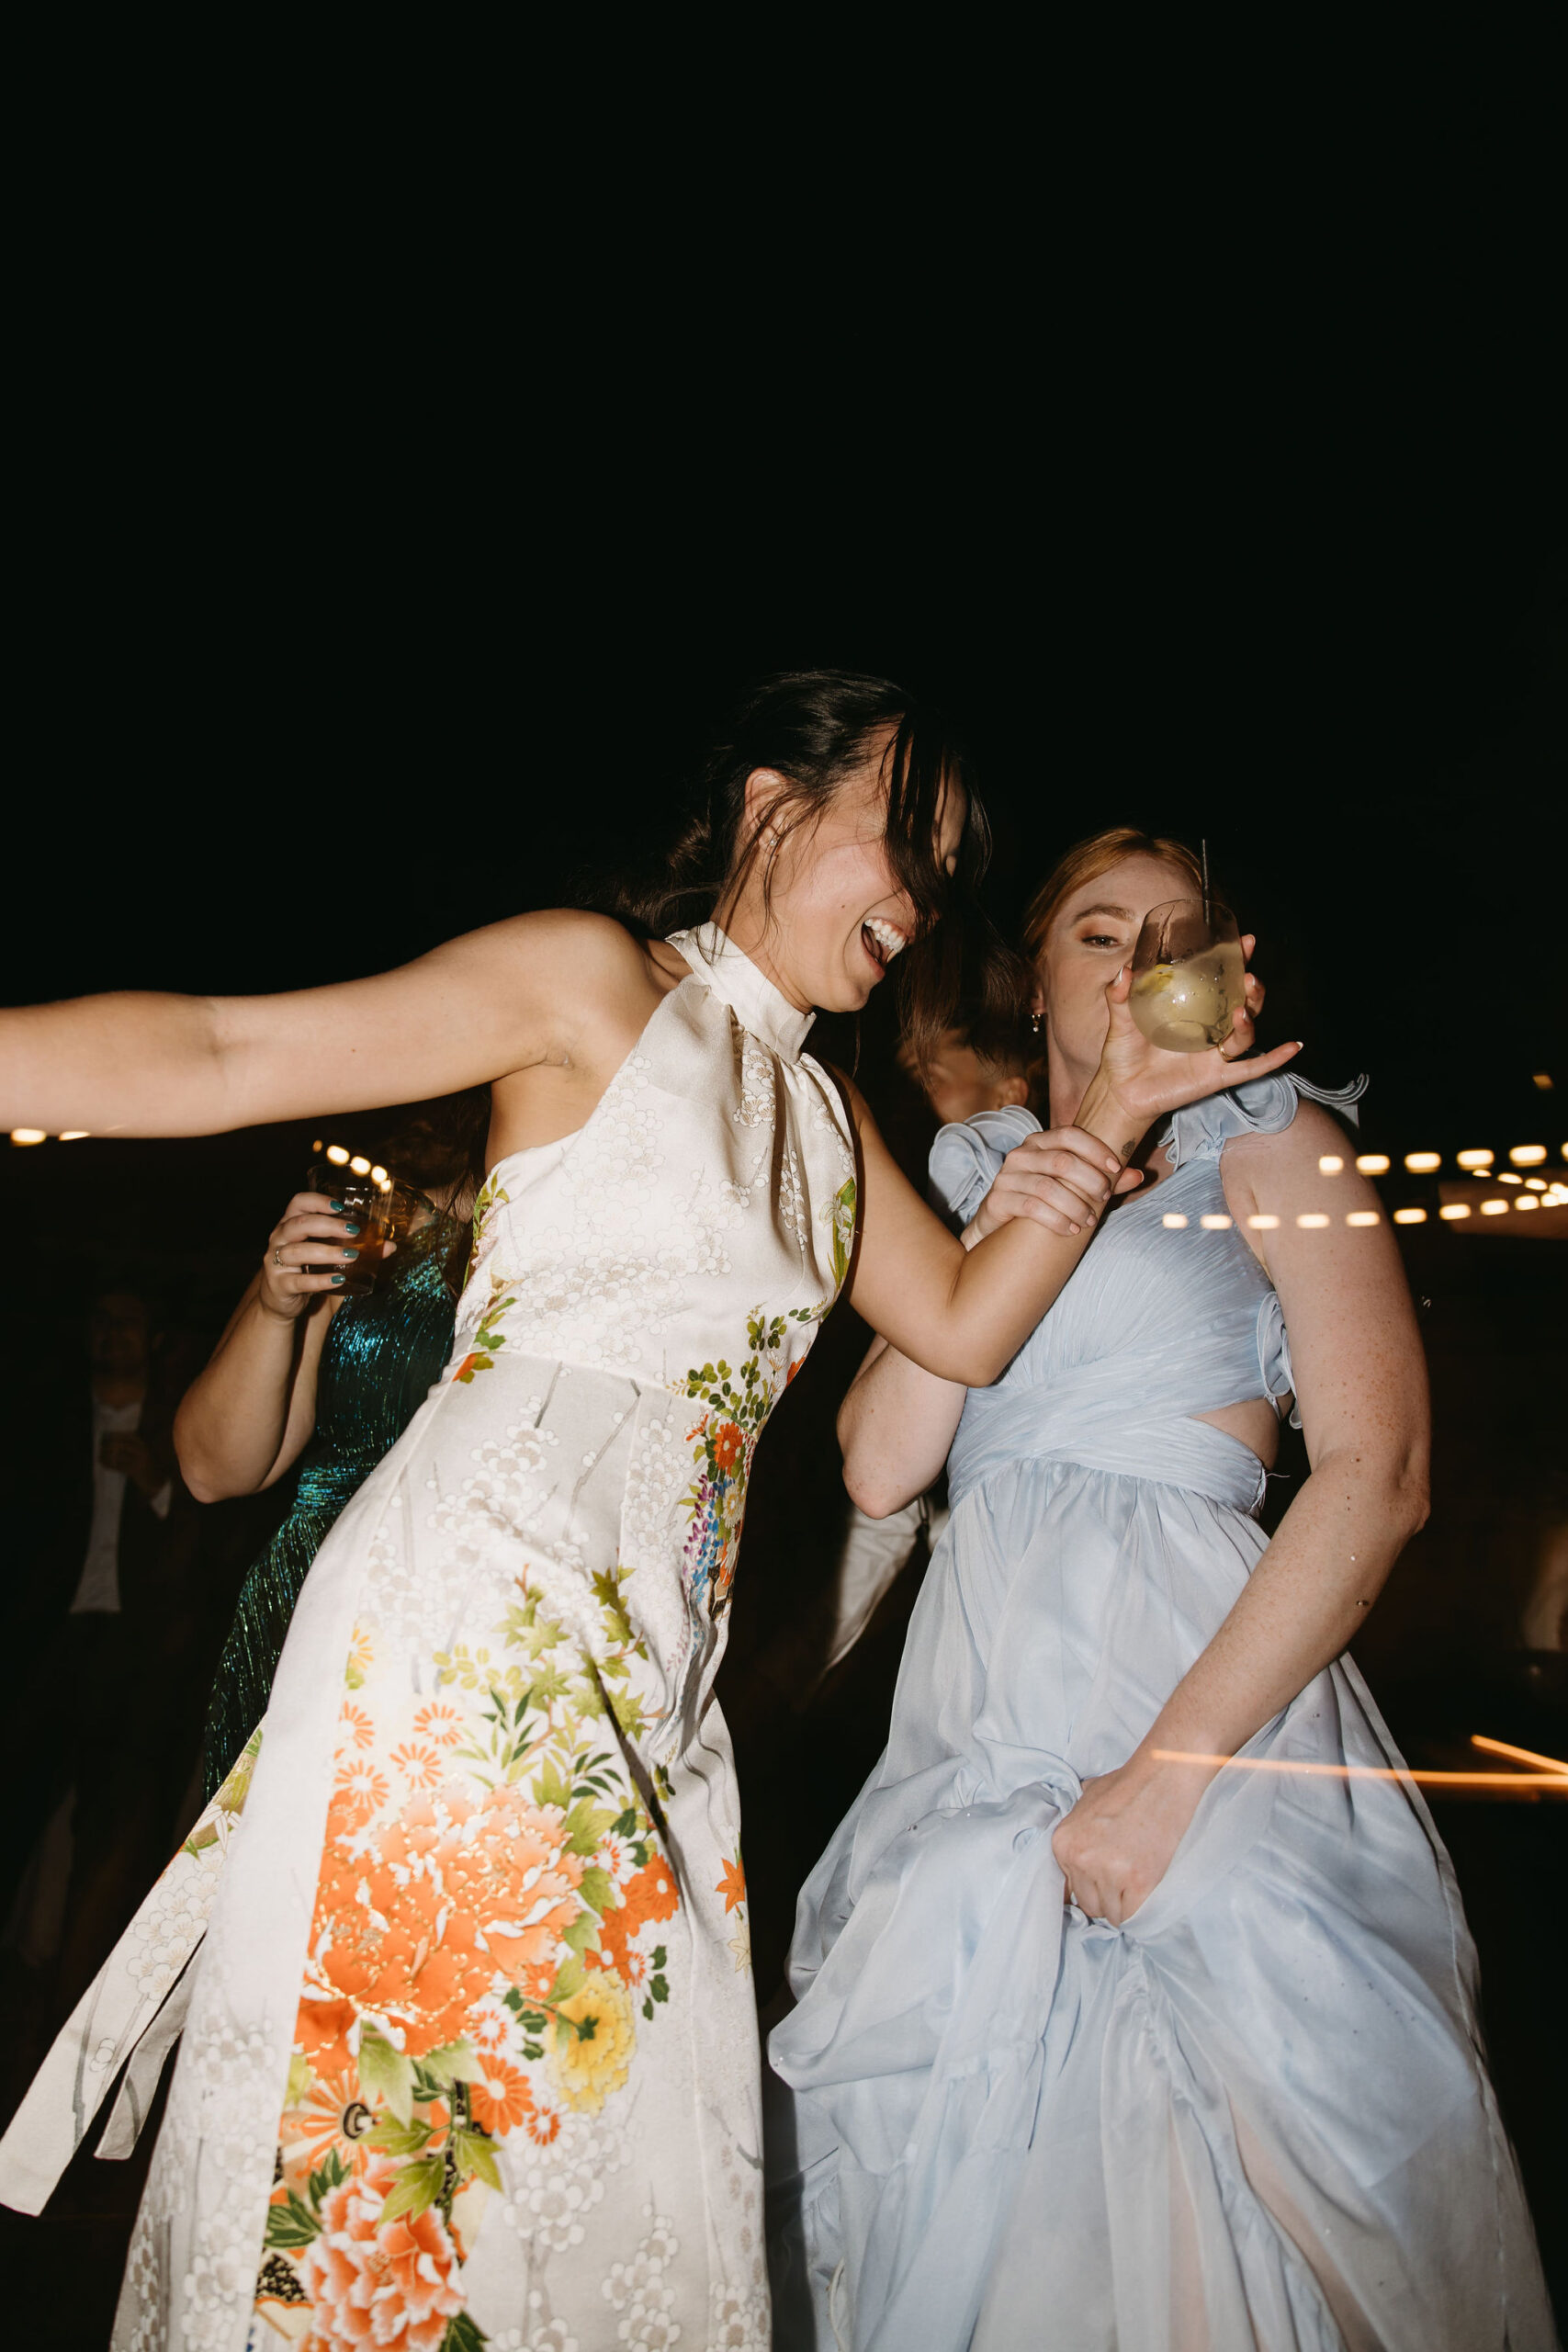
(1264, 1224)
(1330, 1164)
(1410, 1217)
(1533, 1183)
(1494, 1208)
(1504, 1177)
(1372, 1163)
(74, 1134)
(337, 1154)
(1555, 1779)
(1476, 1158)
(1540, 1078)
(29, 1134)
(1451, 1213)
(1528, 1155)
(1527, 1201)
(1421, 1163)
(1215, 1223)
(1313, 1222)
(1173, 1224)
(1363, 1216)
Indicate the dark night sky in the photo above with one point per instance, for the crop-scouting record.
(339, 638)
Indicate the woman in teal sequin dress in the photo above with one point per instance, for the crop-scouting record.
(319, 1387)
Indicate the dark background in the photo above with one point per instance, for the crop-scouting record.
(370, 586)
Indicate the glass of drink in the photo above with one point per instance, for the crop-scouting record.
(369, 1202)
(1189, 975)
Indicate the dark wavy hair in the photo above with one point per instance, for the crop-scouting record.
(815, 729)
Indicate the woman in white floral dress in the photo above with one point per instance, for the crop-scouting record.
(470, 2053)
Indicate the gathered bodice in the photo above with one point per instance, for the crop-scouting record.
(713, 1185)
(1162, 1319)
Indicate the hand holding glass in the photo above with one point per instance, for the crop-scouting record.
(1189, 975)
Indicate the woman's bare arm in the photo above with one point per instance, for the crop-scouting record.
(895, 1426)
(497, 1000)
(1361, 1385)
(248, 1417)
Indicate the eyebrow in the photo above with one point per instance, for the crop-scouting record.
(1125, 912)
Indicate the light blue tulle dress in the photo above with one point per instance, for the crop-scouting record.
(1258, 2115)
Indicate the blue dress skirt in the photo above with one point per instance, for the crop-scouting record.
(1256, 2115)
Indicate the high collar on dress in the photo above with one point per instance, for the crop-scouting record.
(756, 1004)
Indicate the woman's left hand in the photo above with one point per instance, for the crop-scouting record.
(1147, 1081)
(1117, 1843)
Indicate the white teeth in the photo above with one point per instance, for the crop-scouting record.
(887, 935)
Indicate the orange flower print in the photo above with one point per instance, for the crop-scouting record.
(373, 2284)
(729, 1445)
(358, 1727)
(420, 1765)
(414, 1922)
(651, 1895)
(331, 2116)
(544, 2125)
(440, 1723)
(502, 2100)
(364, 1790)
(732, 1885)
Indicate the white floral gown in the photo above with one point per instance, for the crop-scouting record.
(479, 1940)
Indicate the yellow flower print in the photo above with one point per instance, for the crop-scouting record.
(588, 2065)
(361, 1658)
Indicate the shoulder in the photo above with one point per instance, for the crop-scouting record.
(1308, 1166)
(1311, 1136)
(564, 952)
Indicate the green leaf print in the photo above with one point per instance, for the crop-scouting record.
(473, 2154)
(417, 2187)
(454, 2061)
(398, 2139)
(463, 2334)
(384, 2069)
(292, 2223)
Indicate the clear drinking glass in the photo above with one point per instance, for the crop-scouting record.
(370, 1200)
(1189, 975)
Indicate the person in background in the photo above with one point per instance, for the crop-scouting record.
(108, 1538)
(309, 1379)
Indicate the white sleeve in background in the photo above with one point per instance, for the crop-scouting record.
(874, 1550)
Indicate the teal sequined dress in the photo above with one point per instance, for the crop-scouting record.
(381, 1355)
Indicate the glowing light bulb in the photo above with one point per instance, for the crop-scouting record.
(1454, 1211)
(1372, 1163)
(1410, 1217)
(1330, 1164)
(359, 1164)
(29, 1134)
(1421, 1163)
(337, 1154)
(1494, 1208)
(1527, 1201)
(1215, 1223)
(1528, 1155)
(1534, 1184)
(1476, 1158)
(1264, 1224)
(1314, 1223)
(1363, 1216)
(1173, 1224)
(74, 1134)
(1542, 1079)
(380, 1176)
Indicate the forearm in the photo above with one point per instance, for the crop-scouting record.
(896, 1425)
(234, 1420)
(130, 1065)
(1005, 1281)
(1302, 1606)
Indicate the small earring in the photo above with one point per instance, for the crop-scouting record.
(1034, 1025)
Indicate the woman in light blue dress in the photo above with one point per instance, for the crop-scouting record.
(1093, 2049)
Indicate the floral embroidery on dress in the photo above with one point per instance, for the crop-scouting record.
(482, 1946)
(723, 1443)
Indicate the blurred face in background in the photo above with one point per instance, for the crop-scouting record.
(957, 1081)
(119, 1335)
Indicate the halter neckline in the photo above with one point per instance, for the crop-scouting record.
(754, 1000)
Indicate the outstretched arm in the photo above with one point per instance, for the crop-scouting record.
(1361, 1385)
(470, 1012)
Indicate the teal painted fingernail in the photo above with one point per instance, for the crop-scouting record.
(351, 1253)
(337, 1278)
(350, 1228)
(336, 1207)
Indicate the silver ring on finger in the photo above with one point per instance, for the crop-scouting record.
(276, 1255)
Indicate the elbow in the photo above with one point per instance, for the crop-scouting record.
(873, 1491)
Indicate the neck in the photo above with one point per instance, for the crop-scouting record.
(1067, 1080)
(747, 925)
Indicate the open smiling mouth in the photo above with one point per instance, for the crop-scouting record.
(881, 941)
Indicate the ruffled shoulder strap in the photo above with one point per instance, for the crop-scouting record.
(1264, 1106)
(966, 1158)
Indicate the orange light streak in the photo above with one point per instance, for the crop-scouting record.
(1557, 1780)
(1524, 1755)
